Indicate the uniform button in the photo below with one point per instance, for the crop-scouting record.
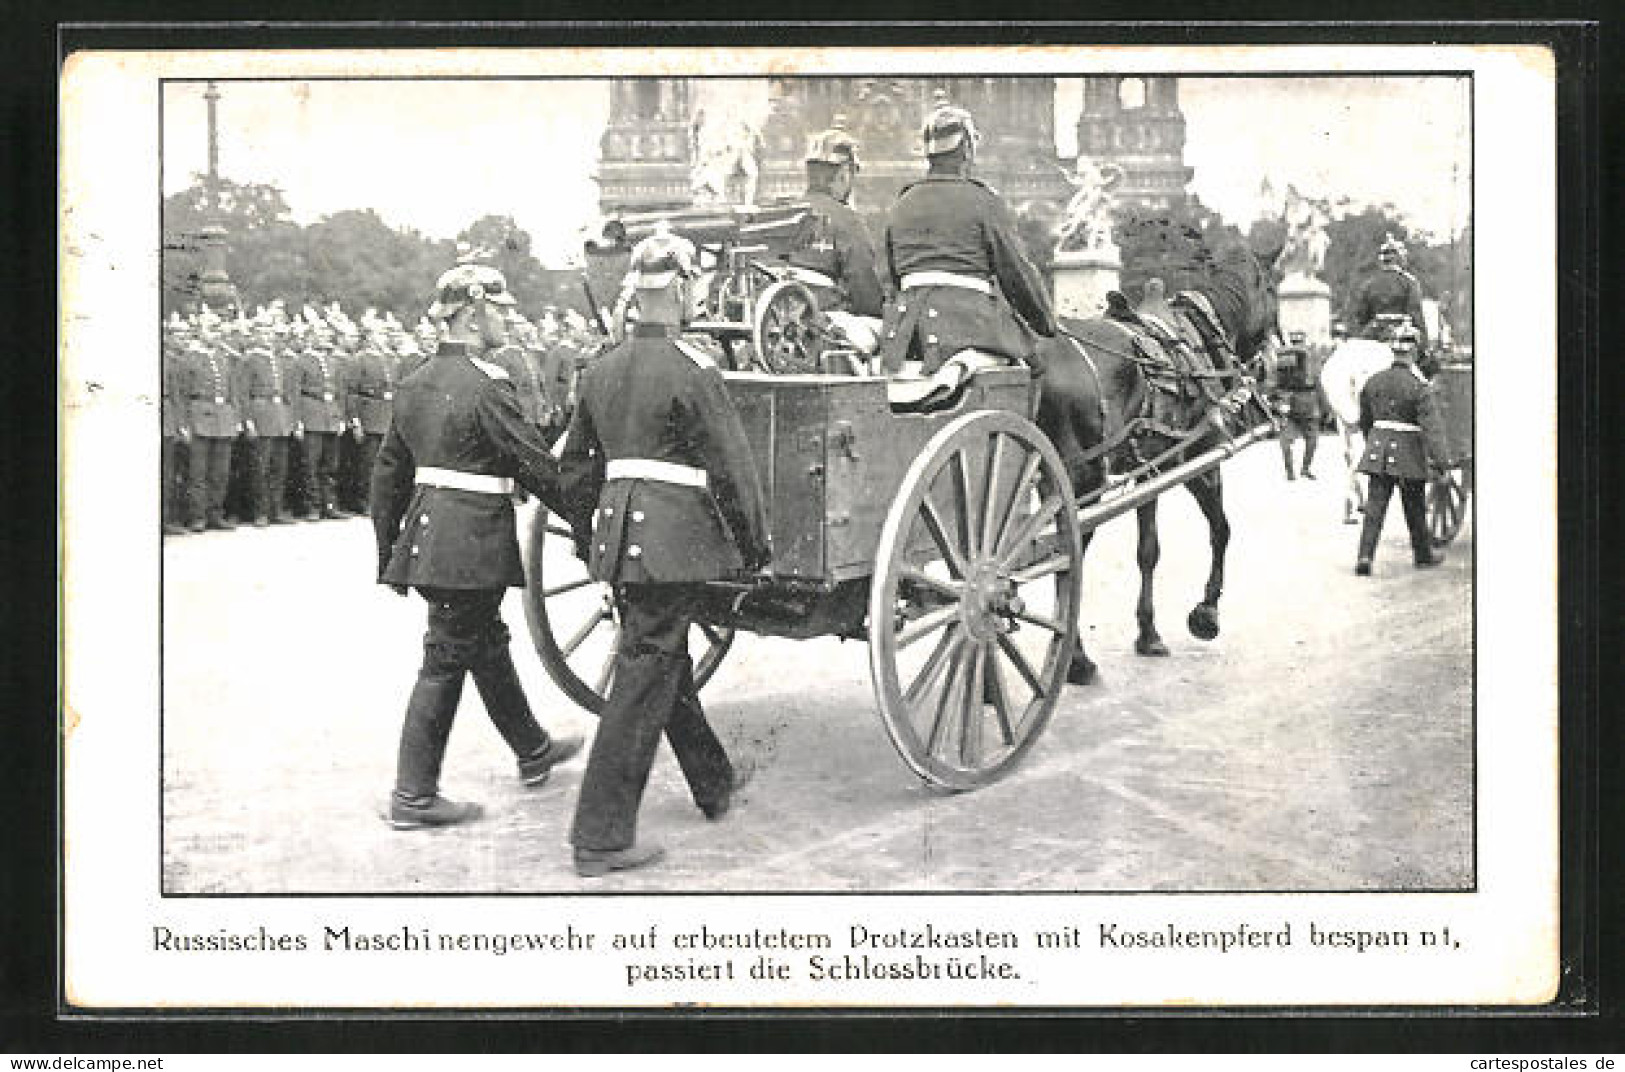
(424, 519)
(930, 312)
(901, 308)
(634, 551)
(414, 549)
(637, 515)
(608, 511)
(930, 338)
(602, 547)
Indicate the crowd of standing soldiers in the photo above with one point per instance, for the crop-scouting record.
(276, 417)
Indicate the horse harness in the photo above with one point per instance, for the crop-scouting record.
(1176, 372)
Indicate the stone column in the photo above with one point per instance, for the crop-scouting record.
(1083, 278)
(1306, 306)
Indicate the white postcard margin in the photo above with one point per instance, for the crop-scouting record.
(1503, 938)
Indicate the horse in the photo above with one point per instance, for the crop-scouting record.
(1351, 363)
(1091, 386)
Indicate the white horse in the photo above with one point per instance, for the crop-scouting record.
(1351, 364)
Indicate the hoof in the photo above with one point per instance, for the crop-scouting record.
(1203, 621)
(1151, 645)
(1081, 671)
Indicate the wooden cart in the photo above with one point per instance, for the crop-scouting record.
(1448, 495)
(948, 541)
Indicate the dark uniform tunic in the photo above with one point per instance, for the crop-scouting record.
(958, 226)
(372, 402)
(443, 517)
(833, 242)
(1401, 430)
(172, 418)
(269, 389)
(1389, 290)
(663, 493)
(212, 395)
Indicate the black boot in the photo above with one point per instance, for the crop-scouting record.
(504, 696)
(429, 716)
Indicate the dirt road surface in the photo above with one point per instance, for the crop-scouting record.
(1323, 742)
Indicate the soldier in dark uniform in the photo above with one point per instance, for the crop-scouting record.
(175, 432)
(661, 487)
(443, 514)
(1402, 432)
(1297, 400)
(322, 413)
(211, 392)
(268, 386)
(953, 259)
(372, 401)
(1392, 290)
(832, 247)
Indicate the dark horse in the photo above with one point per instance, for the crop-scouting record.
(1084, 400)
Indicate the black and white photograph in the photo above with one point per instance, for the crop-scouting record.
(836, 498)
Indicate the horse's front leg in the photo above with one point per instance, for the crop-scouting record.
(1208, 491)
(1353, 500)
(1147, 554)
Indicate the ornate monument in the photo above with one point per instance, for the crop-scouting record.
(1305, 299)
(215, 288)
(1087, 264)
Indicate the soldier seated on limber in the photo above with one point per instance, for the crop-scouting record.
(964, 294)
(831, 251)
(443, 514)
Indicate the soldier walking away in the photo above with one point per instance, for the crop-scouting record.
(213, 419)
(953, 261)
(443, 515)
(662, 495)
(1298, 402)
(1402, 432)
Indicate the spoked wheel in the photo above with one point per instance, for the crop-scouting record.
(1446, 507)
(573, 623)
(784, 329)
(974, 600)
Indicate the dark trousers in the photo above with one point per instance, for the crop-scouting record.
(321, 470)
(1379, 489)
(366, 453)
(173, 461)
(268, 476)
(466, 636)
(208, 472)
(1303, 428)
(653, 693)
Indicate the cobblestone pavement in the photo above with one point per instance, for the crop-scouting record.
(1324, 741)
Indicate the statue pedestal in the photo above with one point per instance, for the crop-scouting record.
(1083, 278)
(1306, 306)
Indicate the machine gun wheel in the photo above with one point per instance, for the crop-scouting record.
(785, 329)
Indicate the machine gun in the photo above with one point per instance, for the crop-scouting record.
(751, 301)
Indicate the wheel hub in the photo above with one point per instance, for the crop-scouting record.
(990, 603)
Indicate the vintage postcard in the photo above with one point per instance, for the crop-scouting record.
(1061, 462)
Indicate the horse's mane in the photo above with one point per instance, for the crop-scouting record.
(1226, 272)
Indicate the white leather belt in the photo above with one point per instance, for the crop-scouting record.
(916, 280)
(652, 469)
(461, 481)
(1397, 426)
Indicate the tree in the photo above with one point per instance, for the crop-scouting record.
(1163, 242)
(258, 236)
